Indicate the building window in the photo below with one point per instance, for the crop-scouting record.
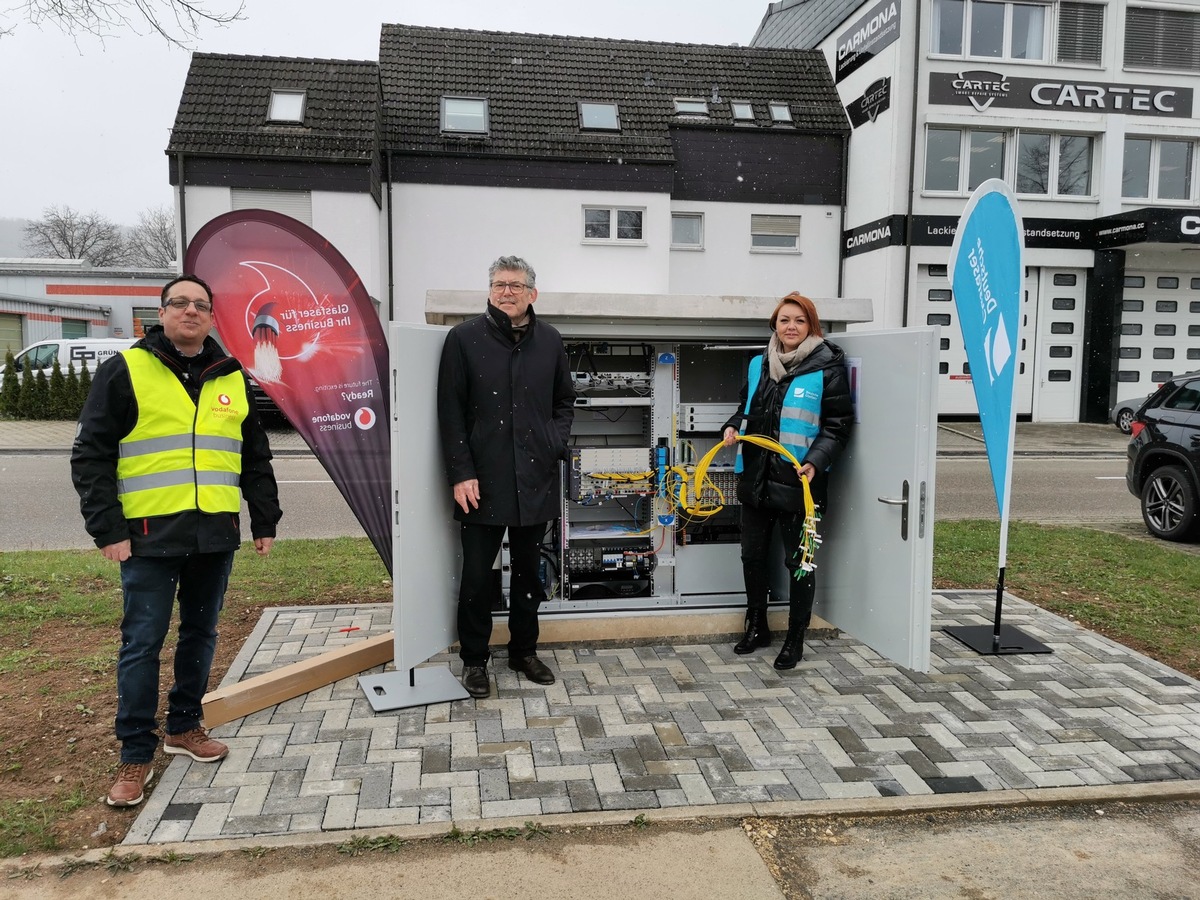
(687, 231)
(690, 106)
(286, 106)
(742, 112)
(1162, 39)
(1157, 169)
(468, 115)
(296, 204)
(1080, 33)
(781, 113)
(1054, 165)
(990, 29)
(610, 224)
(945, 148)
(599, 117)
(1046, 165)
(74, 328)
(778, 234)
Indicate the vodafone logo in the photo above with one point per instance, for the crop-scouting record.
(223, 399)
(364, 418)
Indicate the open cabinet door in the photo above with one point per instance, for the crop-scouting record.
(875, 567)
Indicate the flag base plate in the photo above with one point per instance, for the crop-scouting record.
(396, 690)
(981, 639)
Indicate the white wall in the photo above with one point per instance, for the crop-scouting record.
(446, 236)
(727, 264)
(351, 222)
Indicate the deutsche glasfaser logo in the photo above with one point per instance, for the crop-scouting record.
(997, 345)
(364, 418)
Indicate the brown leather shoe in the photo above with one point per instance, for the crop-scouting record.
(196, 744)
(128, 788)
(533, 669)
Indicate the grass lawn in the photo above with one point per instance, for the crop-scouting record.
(59, 613)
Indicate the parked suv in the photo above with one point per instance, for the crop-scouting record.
(1164, 459)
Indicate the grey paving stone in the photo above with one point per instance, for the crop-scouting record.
(845, 723)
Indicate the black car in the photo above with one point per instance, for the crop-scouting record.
(1164, 459)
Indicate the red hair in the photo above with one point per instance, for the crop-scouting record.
(810, 312)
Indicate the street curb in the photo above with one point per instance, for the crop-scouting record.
(877, 807)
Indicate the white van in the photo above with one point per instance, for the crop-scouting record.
(93, 351)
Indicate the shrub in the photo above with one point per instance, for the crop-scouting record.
(71, 392)
(58, 406)
(10, 388)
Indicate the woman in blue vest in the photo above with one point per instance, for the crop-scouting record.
(797, 393)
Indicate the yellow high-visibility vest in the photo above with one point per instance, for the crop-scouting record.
(180, 455)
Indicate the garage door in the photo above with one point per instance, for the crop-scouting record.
(932, 303)
(1160, 328)
(10, 334)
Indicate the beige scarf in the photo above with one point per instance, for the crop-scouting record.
(780, 363)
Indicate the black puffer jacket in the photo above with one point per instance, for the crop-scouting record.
(505, 408)
(110, 413)
(767, 479)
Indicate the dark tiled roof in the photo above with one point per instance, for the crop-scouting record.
(225, 98)
(533, 83)
(801, 23)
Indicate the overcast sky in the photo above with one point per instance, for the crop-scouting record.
(84, 122)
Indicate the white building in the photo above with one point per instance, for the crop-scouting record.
(1088, 111)
(614, 167)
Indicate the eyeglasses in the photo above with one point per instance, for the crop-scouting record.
(501, 287)
(202, 306)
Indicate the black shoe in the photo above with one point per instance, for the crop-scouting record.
(792, 650)
(757, 633)
(533, 668)
(475, 680)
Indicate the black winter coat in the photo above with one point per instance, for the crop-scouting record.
(768, 480)
(110, 413)
(505, 408)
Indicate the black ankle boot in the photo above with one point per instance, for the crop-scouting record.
(792, 650)
(757, 633)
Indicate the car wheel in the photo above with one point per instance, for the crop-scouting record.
(1125, 420)
(1169, 503)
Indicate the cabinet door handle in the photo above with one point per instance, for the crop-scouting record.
(902, 502)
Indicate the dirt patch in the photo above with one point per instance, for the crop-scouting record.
(57, 705)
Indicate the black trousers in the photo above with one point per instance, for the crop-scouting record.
(757, 525)
(479, 589)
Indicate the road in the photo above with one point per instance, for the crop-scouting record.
(1058, 491)
(41, 511)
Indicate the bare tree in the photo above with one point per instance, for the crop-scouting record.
(152, 241)
(176, 21)
(67, 234)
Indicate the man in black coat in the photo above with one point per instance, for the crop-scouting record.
(505, 405)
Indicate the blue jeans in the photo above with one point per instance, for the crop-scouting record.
(150, 585)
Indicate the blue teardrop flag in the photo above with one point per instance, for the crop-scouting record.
(986, 273)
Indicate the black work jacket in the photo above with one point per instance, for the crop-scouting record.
(110, 413)
(767, 479)
(505, 408)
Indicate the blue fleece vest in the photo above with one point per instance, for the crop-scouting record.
(800, 417)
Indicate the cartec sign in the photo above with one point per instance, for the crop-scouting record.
(866, 37)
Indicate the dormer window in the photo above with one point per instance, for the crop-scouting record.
(690, 106)
(287, 106)
(742, 112)
(781, 113)
(466, 115)
(599, 117)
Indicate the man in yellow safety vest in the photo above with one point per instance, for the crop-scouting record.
(168, 443)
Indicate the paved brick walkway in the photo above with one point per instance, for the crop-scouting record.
(648, 727)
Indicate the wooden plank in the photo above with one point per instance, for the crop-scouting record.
(237, 700)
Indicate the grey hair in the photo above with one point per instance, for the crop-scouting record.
(513, 264)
